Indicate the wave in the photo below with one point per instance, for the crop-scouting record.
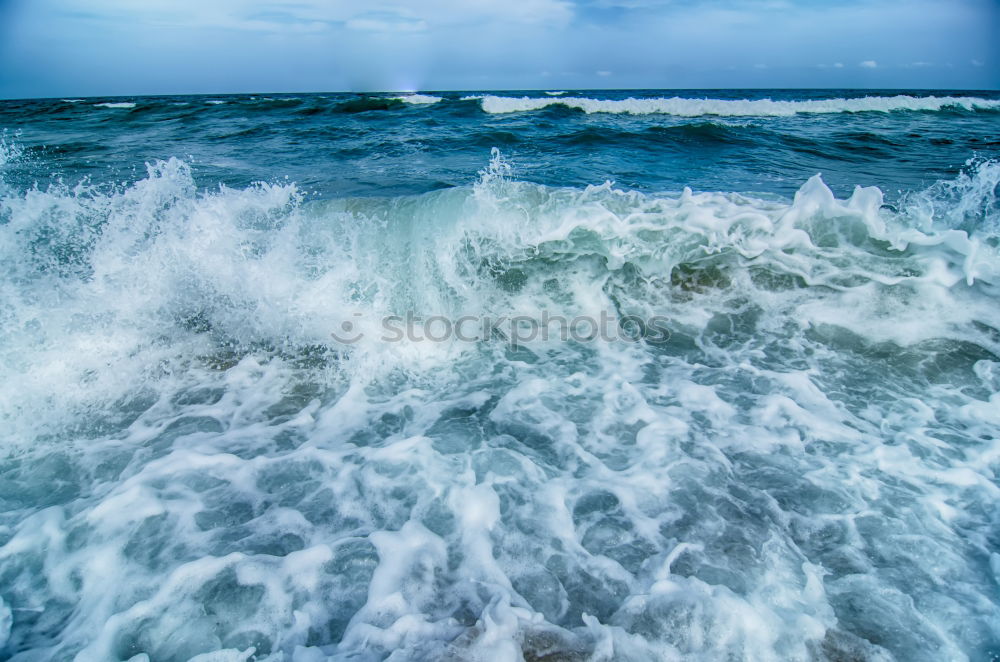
(258, 266)
(365, 104)
(655, 137)
(736, 107)
(115, 104)
(419, 99)
(177, 404)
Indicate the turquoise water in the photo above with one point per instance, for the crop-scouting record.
(804, 466)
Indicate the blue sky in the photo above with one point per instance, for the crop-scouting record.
(124, 47)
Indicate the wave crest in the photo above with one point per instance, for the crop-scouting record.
(682, 107)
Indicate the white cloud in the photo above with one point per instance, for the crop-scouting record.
(281, 16)
(631, 4)
(464, 44)
(603, 73)
(385, 22)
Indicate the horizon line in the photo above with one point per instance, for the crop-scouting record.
(508, 90)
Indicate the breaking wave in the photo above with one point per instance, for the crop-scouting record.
(737, 107)
(806, 471)
(115, 104)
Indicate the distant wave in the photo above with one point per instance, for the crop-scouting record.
(556, 93)
(419, 99)
(365, 104)
(738, 107)
(117, 104)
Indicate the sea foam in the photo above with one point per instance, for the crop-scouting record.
(419, 99)
(197, 468)
(683, 107)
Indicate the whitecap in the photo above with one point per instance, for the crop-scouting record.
(419, 99)
(698, 507)
(683, 107)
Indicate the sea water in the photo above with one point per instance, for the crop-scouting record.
(196, 464)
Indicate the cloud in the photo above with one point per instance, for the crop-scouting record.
(279, 15)
(55, 48)
(385, 22)
(630, 4)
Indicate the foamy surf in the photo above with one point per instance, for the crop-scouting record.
(196, 465)
(737, 107)
(420, 99)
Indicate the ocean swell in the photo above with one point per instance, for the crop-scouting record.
(737, 107)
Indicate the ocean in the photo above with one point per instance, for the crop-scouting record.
(562, 376)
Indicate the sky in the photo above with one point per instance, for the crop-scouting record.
(62, 48)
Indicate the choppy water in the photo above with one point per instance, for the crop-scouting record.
(191, 465)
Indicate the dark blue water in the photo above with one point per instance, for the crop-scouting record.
(376, 145)
(785, 445)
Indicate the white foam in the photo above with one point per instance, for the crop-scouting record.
(10, 151)
(701, 501)
(6, 621)
(115, 104)
(419, 99)
(683, 107)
